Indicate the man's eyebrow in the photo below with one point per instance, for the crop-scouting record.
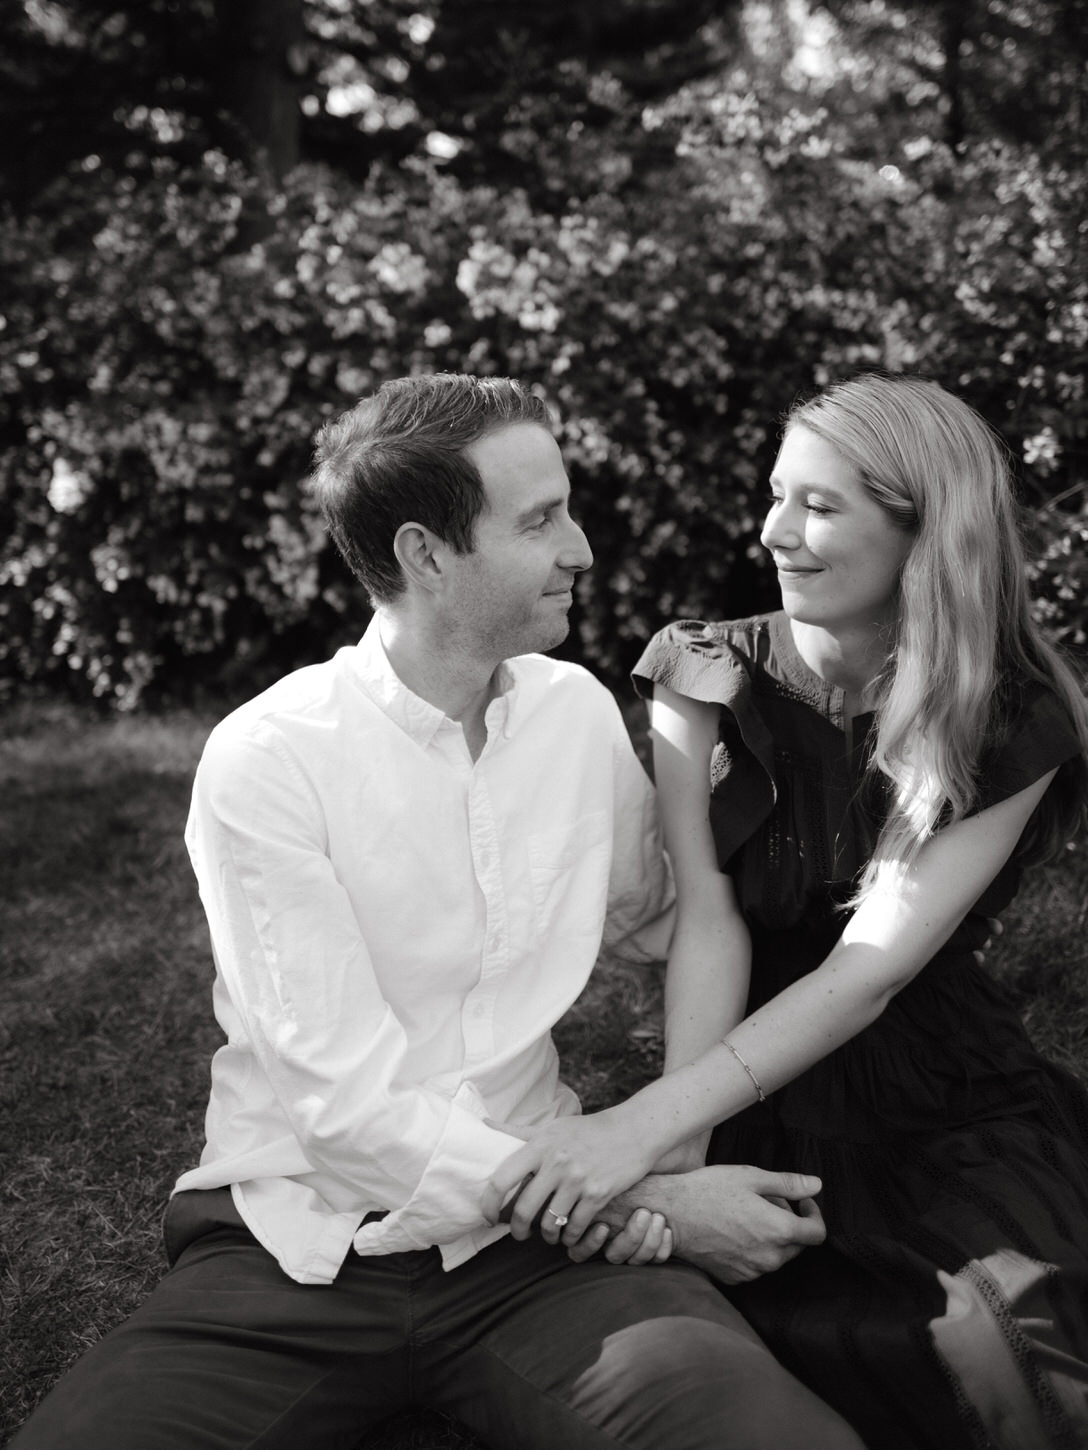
(545, 506)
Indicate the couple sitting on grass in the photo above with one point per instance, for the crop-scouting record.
(411, 857)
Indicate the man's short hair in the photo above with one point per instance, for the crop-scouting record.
(399, 457)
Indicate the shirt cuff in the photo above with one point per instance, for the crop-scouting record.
(446, 1205)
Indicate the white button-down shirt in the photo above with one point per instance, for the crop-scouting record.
(396, 929)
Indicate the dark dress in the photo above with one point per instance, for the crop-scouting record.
(949, 1306)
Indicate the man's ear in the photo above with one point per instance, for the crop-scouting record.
(420, 555)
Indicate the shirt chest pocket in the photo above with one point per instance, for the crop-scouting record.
(569, 871)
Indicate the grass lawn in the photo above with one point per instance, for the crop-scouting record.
(106, 1028)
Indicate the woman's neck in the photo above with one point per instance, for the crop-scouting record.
(849, 659)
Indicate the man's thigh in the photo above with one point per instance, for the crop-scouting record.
(227, 1352)
(530, 1350)
(592, 1355)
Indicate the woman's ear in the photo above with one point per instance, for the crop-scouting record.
(419, 553)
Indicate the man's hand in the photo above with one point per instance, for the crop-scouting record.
(733, 1222)
(684, 1158)
(645, 1238)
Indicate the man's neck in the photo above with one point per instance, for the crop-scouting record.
(440, 673)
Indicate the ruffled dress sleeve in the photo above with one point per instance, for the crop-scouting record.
(696, 660)
(1039, 738)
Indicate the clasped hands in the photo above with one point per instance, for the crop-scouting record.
(735, 1222)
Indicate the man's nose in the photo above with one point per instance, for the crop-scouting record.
(576, 551)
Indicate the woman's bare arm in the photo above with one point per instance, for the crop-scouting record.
(578, 1164)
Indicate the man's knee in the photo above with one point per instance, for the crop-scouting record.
(700, 1383)
(647, 1359)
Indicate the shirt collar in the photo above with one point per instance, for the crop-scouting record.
(415, 716)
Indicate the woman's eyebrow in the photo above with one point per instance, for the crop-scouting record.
(827, 489)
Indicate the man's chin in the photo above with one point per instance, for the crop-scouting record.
(548, 639)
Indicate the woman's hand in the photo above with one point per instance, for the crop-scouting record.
(994, 927)
(568, 1170)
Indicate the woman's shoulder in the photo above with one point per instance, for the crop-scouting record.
(707, 660)
(709, 635)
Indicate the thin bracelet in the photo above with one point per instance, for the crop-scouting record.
(747, 1069)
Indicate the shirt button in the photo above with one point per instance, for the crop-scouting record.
(485, 860)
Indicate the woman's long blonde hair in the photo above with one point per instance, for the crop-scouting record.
(965, 636)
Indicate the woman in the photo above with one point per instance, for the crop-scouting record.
(884, 755)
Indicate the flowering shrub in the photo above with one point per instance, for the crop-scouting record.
(164, 391)
(164, 376)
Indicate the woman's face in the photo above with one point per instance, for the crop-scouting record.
(838, 553)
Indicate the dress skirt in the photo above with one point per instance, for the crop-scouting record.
(948, 1307)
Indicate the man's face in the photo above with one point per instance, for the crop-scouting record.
(513, 591)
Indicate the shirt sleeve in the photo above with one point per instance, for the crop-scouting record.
(641, 895)
(298, 973)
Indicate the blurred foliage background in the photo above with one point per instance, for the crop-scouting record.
(224, 220)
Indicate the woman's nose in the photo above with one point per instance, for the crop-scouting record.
(780, 529)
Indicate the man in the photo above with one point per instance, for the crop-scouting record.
(410, 857)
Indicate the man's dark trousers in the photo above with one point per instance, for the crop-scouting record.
(531, 1351)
